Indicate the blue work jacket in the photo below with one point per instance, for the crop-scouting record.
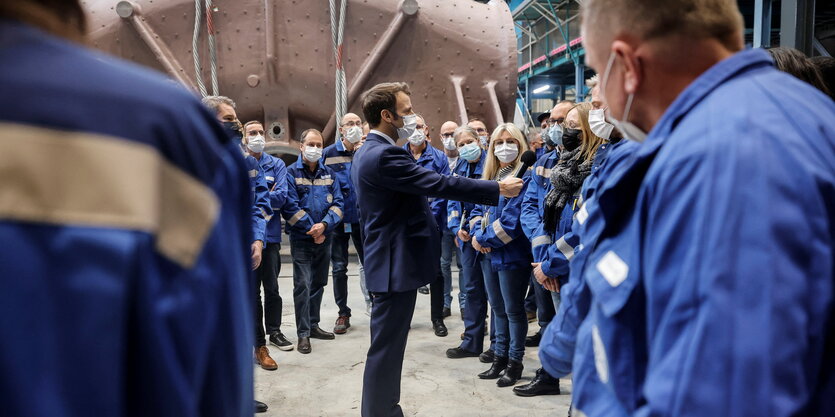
(533, 205)
(434, 160)
(126, 228)
(275, 175)
(339, 159)
(712, 280)
(500, 228)
(312, 197)
(458, 212)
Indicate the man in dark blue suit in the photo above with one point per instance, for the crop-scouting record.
(400, 234)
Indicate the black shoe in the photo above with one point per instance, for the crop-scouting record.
(304, 345)
(511, 374)
(487, 357)
(447, 312)
(317, 333)
(440, 328)
(278, 340)
(533, 341)
(458, 353)
(495, 371)
(542, 384)
(260, 407)
(424, 290)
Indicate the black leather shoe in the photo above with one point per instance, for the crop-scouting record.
(260, 407)
(440, 328)
(533, 341)
(447, 312)
(304, 345)
(511, 374)
(499, 365)
(542, 384)
(424, 290)
(317, 333)
(487, 357)
(458, 353)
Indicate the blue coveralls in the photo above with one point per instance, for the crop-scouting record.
(435, 160)
(473, 280)
(312, 197)
(268, 316)
(506, 269)
(533, 206)
(126, 240)
(712, 281)
(339, 159)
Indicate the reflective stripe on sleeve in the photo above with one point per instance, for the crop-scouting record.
(473, 222)
(296, 217)
(337, 210)
(500, 233)
(565, 248)
(452, 215)
(541, 240)
(253, 173)
(337, 160)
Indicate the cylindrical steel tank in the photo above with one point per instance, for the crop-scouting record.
(275, 57)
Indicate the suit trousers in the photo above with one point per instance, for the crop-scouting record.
(391, 315)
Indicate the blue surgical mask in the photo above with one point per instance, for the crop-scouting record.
(470, 152)
(555, 135)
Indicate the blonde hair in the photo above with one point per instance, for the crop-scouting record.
(491, 165)
(590, 142)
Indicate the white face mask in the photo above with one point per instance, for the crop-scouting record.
(417, 138)
(409, 125)
(353, 134)
(598, 124)
(484, 141)
(629, 130)
(507, 152)
(256, 144)
(312, 153)
(449, 143)
(471, 151)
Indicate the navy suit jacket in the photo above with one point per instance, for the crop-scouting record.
(401, 240)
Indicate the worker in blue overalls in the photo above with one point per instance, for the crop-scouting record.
(470, 165)
(427, 156)
(532, 210)
(125, 230)
(313, 211)
(716, 235)
(338, 157)
(268, 318)
(506, 265)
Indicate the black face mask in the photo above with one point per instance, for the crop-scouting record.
(571, 138)
(233, 130)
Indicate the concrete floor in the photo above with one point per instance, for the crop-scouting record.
(328, 381)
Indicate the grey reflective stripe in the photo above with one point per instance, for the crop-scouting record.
(296, 217)
(452, 215)
(500, 233)
(269, 178)
(473, 221)
(305, 181)
(253, 173)
(337, 210)
(338, 160)
(543, 172)
(566, 249)
(266, 216)
(540, 240)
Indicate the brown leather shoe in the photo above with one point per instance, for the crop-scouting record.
(342, 325)
(262, 356)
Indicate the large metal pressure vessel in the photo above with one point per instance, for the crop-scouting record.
(275, 58)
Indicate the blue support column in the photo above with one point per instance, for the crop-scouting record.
(762, 24)
(579, 80)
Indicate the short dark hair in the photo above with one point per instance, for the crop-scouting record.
(309, 131)
(381, 97)
(64, 18)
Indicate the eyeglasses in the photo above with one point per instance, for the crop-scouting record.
(447, 135)
(352, 124)
(559, 121)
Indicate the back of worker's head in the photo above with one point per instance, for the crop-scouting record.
(63, 18)
(826, 66)
(794, 62)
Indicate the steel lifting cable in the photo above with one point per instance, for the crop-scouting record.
(198, 71)
(210, 28)
(341, 87)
